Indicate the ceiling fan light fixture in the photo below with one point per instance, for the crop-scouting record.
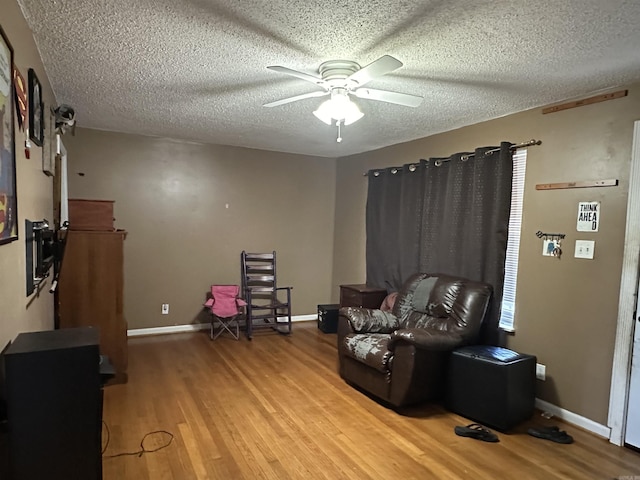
(353, 114)
(342, 79)
(340, 108)
(323, 113)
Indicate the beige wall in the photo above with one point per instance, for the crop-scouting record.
(567, 308)
(172, 199)
(19, 313)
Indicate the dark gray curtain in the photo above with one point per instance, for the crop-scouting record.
(461, 210)
(394, 209)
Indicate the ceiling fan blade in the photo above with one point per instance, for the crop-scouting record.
(389, 97)
(295, 99)
(377, 68)
(297, 74)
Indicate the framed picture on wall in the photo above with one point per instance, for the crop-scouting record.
(20, 89)
(8, 197)
(36, 109)
(49, 148)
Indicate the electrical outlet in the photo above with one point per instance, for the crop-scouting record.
(165, 309)
(541, 371)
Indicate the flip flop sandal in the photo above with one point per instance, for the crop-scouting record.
(477, 431)
(551, 433)
(552, 428)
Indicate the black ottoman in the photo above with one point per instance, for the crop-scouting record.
(493, 386)
(328, 317)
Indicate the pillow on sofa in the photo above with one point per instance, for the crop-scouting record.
(422, 293)
(388, 302)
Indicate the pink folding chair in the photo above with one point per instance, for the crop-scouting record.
(225, 308)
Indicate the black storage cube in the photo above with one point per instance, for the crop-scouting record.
(54, 405)
(328, 318)
(493, 386)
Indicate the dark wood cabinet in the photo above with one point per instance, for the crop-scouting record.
(90, 291)
(361, 295)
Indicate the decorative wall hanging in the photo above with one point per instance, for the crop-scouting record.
(20, 89)
(49, 146)
(588, 216)
(586, 101)
(613, 182)
(36, 109)
(8, 198)
(551, 243)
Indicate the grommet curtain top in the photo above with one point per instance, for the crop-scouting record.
(412, 167)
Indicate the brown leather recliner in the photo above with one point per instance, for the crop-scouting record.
(401, 356)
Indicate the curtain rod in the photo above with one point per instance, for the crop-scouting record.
(512, 147)
(466, 157)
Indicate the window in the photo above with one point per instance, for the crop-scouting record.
(508, 310)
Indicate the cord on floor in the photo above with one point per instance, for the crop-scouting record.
(142, 450)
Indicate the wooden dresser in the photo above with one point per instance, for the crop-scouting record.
(90, 291)
(361, 295)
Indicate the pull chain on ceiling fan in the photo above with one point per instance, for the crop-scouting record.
(341, 78)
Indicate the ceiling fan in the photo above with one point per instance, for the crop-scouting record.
(341, 78)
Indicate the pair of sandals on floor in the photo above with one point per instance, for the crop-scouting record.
(479, 432)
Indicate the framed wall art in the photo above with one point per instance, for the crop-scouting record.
(8, 197)
(20, 87)
(49, 147)
(36, 109)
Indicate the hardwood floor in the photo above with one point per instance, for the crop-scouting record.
(275, 408)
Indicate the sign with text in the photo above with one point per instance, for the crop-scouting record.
(588, 216)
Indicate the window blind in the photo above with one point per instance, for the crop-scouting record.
(508, 310)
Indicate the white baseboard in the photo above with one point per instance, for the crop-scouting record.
(138, 332)
(193, 327)
(304, 318)
(574, 418)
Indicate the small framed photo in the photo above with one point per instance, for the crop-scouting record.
(36, 109)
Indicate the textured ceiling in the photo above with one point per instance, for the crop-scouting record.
(196, 69)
